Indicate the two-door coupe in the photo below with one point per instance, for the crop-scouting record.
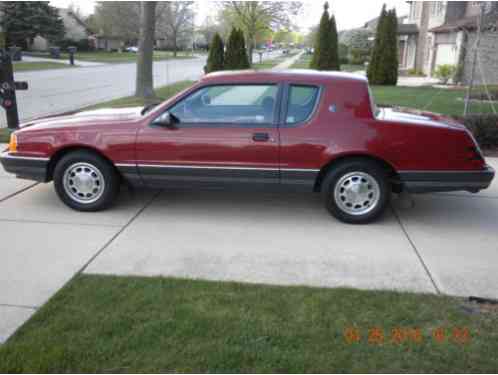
(297, 130)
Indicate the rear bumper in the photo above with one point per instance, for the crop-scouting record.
(30, 168)
(434, 181)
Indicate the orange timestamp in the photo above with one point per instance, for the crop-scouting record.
(403, 335)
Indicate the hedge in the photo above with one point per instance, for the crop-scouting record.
(484, 127)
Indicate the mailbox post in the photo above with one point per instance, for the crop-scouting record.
(8, 90)
(72, 51)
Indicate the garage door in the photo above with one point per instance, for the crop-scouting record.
(446, 54)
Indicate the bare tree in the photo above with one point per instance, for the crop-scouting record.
(118, 18)
(145, 84)
(175, 22)
(257, 16)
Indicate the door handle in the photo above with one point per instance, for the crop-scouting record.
(260, 137)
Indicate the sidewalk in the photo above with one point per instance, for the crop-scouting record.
(61, 61)
(289, 62)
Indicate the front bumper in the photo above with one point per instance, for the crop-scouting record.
(438, 181)
(27, 167)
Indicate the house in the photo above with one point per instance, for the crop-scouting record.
(107, 42)
(444, 32)
(75, 30)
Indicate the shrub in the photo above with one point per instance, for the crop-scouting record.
(415, 73)
(445, 72)
(484, 127)
(215, 59)
(236, 54)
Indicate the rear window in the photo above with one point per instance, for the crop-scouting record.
(302, 102)
(373, 106)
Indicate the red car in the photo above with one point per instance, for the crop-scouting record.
(297, 130)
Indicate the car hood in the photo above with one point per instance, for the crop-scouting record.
(417, 117)
(90, 118)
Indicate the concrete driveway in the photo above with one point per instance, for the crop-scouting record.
(447, 243)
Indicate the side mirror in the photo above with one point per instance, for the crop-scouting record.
(166, 120)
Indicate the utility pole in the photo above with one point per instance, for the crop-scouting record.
(8, 89)
(474, 61)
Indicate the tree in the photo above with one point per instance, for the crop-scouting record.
(118, 18)
(334, 63)
(254, 17)
(22, 21)
(383, 67)
(122, 18)
(176, 23)
(144, 83)
(215, 60)
(322, 56)
(236, 54)
(375, 71)
(391, 55)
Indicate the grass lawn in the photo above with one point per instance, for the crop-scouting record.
(119, 324)
(116, 57)
(305, 60)
(27, 66)
(448, 102)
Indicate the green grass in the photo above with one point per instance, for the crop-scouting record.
(162, 94)
(116, 57)
(269, 64)
(4, 135)
(28, 66)
(119, 324)
(305, 60)
(444, 101)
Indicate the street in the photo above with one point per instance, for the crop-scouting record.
(62, 90)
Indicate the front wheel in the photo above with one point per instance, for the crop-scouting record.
(86, 182)
(356, 191)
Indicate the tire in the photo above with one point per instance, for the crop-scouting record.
(356, 191)
(86, 182)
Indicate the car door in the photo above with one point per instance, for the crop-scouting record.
(220, 135)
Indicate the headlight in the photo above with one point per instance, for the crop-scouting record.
(13, 143)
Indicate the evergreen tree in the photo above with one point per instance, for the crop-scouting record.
(242, 52)
(215, 60)
(231, 50)
(392, 58)
(375, 72)
(22, 21)
(236, 55)
(322, 55)
(334, 46)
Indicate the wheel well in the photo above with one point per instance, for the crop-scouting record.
(390, 171)
(64, 151)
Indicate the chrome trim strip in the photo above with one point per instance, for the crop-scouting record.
(442, 171)
(215, 167)
(8, 155)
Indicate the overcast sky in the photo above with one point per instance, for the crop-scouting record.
(349, 13)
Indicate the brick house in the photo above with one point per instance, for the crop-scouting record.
(441, 32)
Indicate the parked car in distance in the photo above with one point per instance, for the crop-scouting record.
(132, 49)
(298, 130)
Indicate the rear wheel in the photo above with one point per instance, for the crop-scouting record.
(356, 191)
(86, 182)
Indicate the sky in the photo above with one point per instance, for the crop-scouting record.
(349, 13)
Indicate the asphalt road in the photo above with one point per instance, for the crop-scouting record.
(61, 90)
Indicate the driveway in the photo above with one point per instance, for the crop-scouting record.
(447, 243)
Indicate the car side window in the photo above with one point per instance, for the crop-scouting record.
(301, 103)
(228, 104)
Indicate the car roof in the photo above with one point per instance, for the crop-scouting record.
(301, 75)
